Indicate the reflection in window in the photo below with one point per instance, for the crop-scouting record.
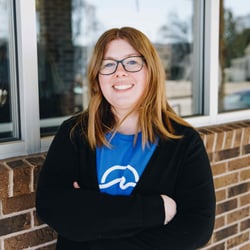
(66, 36)
(8, 94)
(234, 92)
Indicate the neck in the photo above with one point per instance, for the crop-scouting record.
(129, 125)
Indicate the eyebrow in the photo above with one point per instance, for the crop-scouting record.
(113, 58)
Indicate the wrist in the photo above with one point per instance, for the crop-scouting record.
(169, 207)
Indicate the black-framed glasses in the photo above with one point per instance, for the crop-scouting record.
(130, 64)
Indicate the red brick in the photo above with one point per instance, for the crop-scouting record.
(226, 232)
(210, 142)
(246, 137)
(245, 224)
(238, 189)
(245, 174)
(18, 203)
(229, 140)
(37, 220)
(226, 180)
(37, 162)
(246, 149)
(244, 200)
(219, 141)
(226, 206)
(237, 138)
(239, 163)
(26, 240)
(220, 246)
(237, 215)
(36, 172)
(4, 181)
(219, 222)
(245, 247)
(226, 154)
(219, 168)
(221, 195)
(239, 239)
(14, 224)
(21, 177)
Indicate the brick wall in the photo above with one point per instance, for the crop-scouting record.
(228, 148)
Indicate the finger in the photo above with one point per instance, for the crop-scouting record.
(76, 185)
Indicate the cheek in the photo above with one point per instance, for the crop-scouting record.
(104, 88)
(102, 82)
(144, 88)
(144, 83)
(144, 77)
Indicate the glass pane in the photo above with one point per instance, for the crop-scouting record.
(8, 94)
(234, 92)
(66, 36)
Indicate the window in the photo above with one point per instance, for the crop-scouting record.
(234, 89)
(45, 46)
(67, 34)
(9, 127)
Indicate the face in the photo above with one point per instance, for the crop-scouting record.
(122, 89)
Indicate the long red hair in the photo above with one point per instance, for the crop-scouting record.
(155, 113)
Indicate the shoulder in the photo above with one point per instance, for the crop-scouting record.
(189, 137)
(76, 122)
(71, 121)
(186, 131)
(76, 128)
(70, 128)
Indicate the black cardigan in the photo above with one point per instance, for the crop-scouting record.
(87, 219)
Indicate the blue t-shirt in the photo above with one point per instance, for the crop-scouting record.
(120, 167)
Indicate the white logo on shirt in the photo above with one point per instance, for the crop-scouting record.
(122, 180)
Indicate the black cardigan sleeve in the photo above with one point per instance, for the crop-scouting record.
(194, 194)
(85, 214)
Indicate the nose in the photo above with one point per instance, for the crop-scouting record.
(120, 69)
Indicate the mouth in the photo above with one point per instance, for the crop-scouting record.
(123, 86)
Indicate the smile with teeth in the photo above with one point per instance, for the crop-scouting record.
(123, 86)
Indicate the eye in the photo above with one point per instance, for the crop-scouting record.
(132, 61)
(108, 64)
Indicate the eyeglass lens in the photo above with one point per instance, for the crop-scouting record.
(130, 64)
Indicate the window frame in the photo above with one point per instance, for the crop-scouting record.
(31, 142)
(211, 73)
(25, 23)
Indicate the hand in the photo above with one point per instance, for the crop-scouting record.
(169, 207)
(76, 185)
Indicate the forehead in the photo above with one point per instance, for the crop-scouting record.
(119, 48)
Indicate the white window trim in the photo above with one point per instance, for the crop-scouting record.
(28, 74)
(28, 87)
(211, 74)
(28, 81)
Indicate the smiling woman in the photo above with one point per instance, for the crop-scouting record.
(47, 81)
(125, 163)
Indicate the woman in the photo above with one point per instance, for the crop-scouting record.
(127, 173)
